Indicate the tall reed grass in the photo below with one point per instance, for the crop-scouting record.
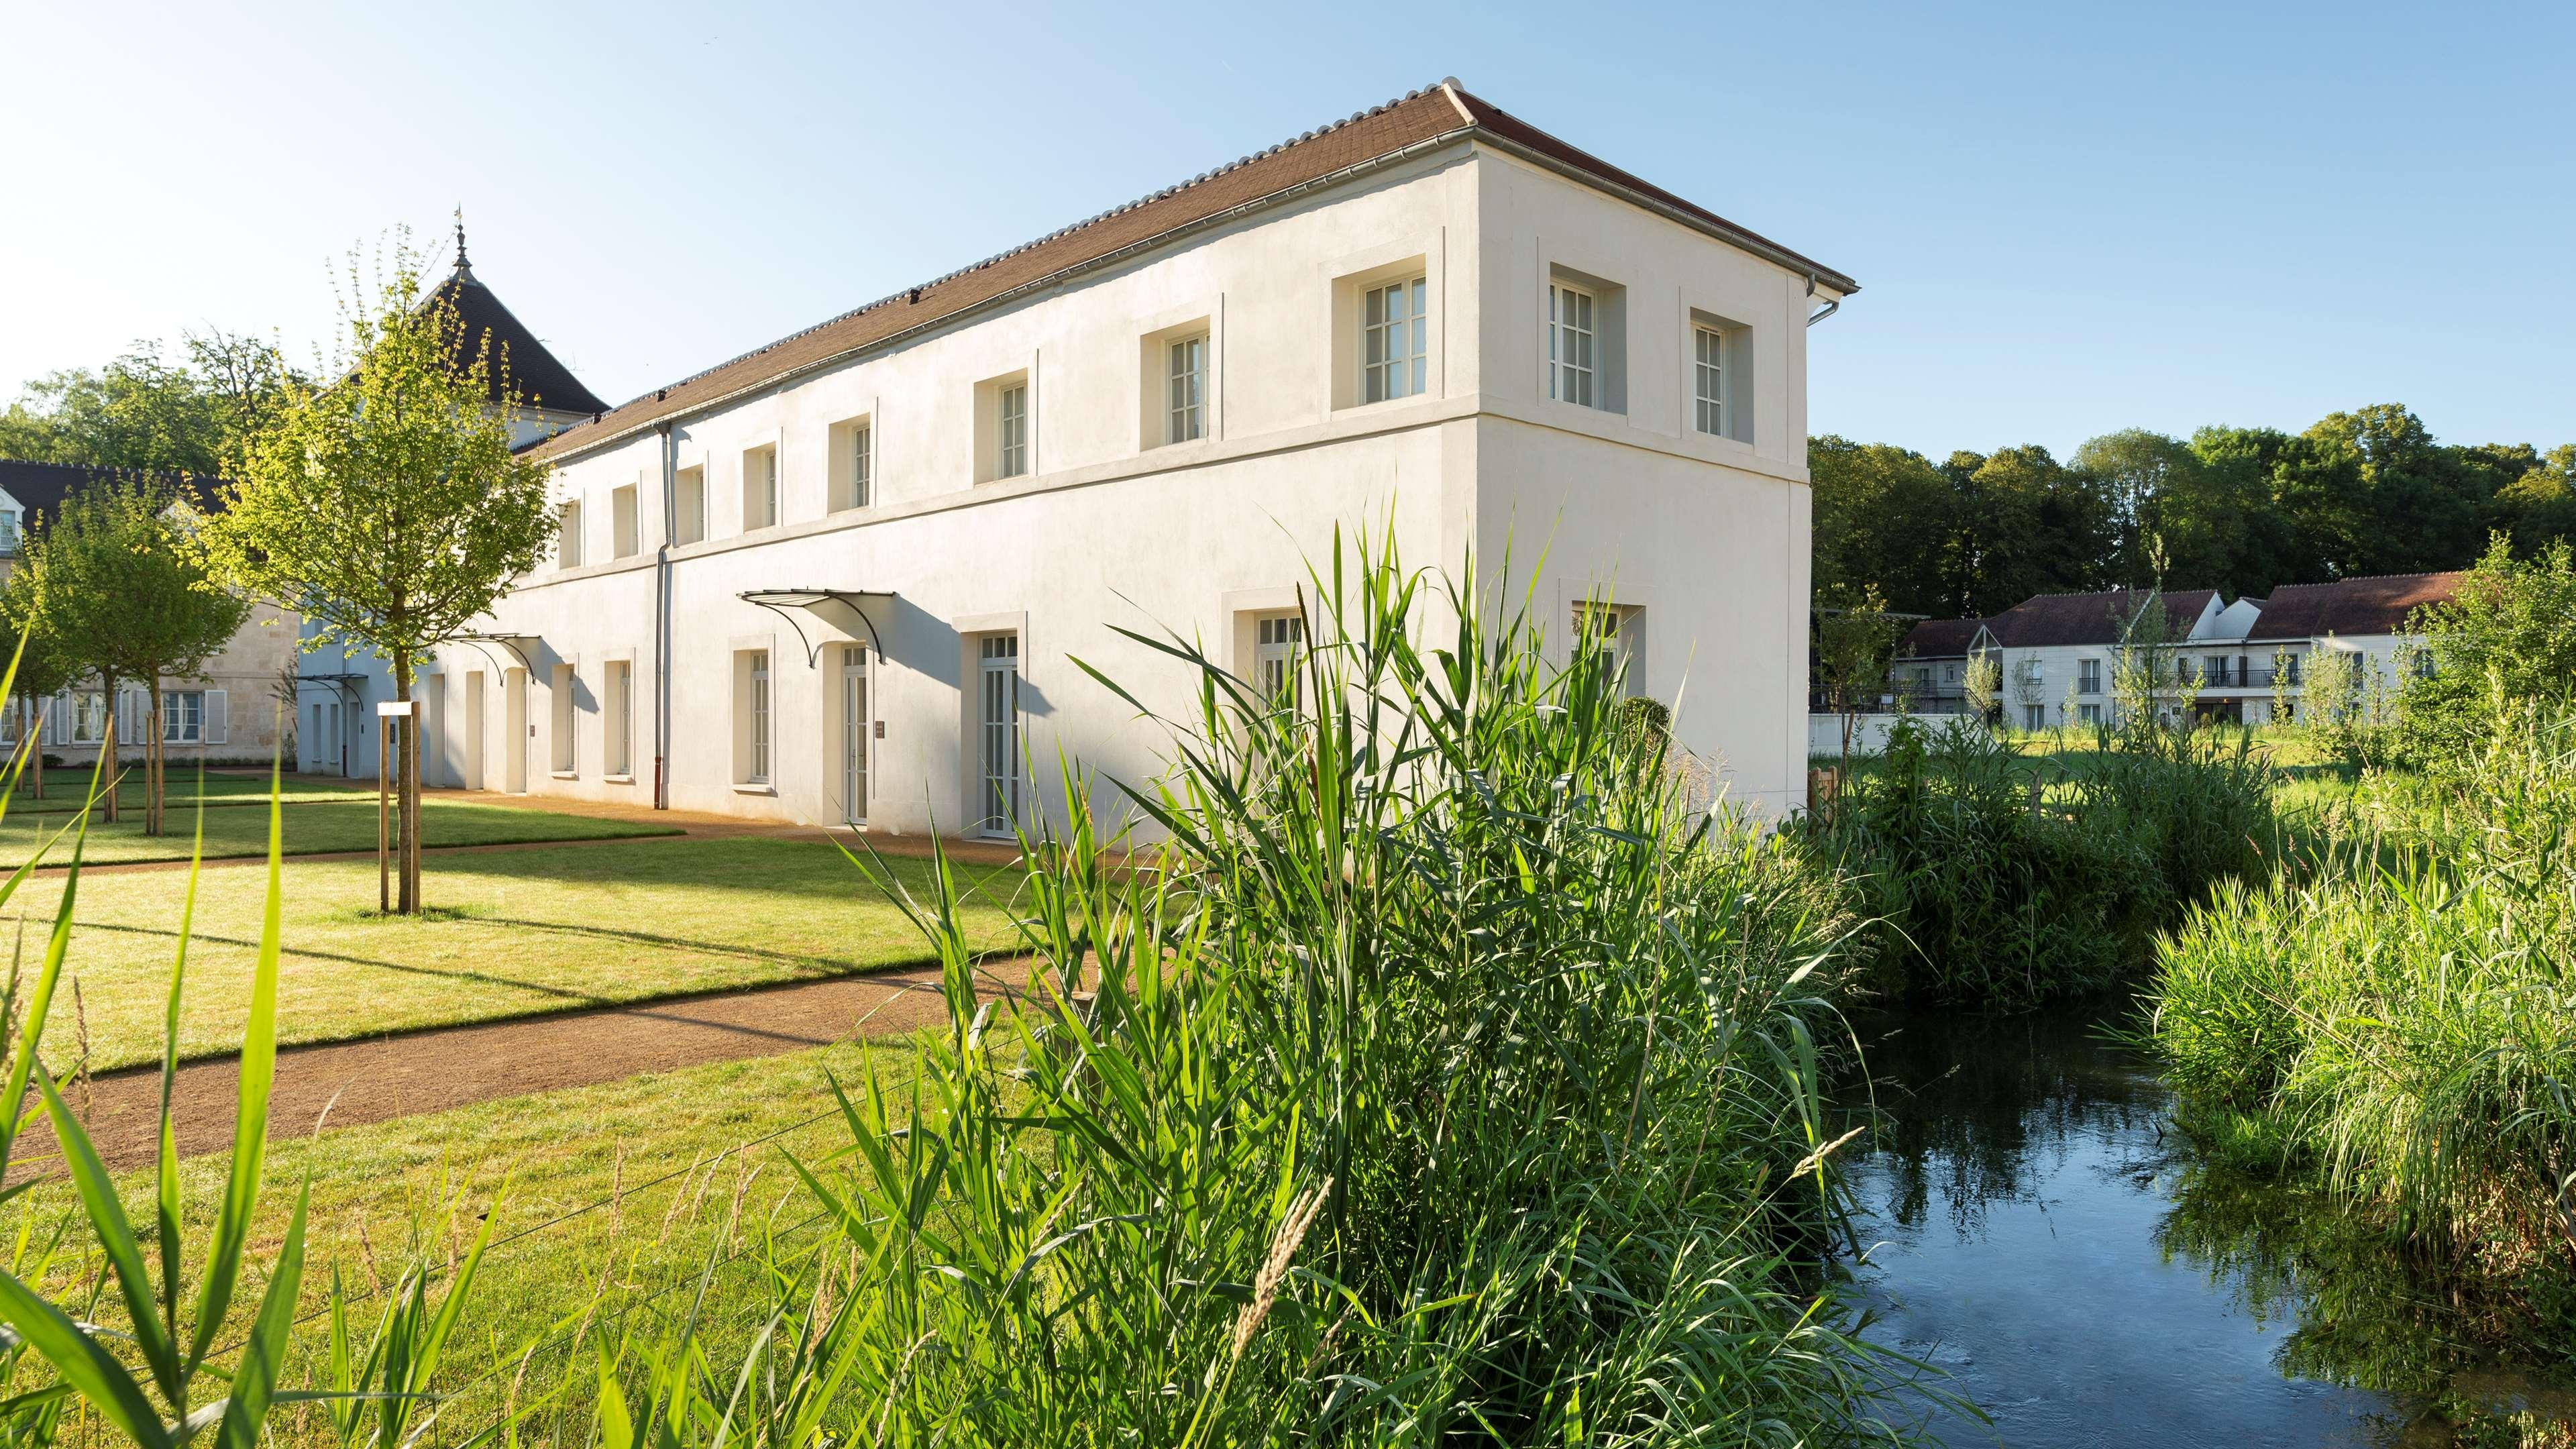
(1438, 1076)
(2397, 1020)
(1999, 881)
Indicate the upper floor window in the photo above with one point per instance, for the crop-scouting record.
(2088, 676)
(1708, 381)
(689, 505)
(1395, 328)
(8, 530)
(568, 536)
(853, 480)
(1571, 356)
(1186, 391)
(1011, 435)
(625, 539)
(760, 487)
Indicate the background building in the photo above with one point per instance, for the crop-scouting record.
(231, 712)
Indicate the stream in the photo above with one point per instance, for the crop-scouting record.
(2043, 1235)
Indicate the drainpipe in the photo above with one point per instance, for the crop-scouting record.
(1831, 307)
(662, 623)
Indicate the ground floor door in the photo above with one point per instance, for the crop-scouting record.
(434, 768)
(472, 761)
(856, 727)
(999, 728)
(515, 730)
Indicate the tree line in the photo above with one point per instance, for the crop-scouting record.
(2241, 510)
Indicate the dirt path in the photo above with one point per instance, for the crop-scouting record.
(432, 1071)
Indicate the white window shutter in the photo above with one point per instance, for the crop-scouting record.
(218, 727)
(56, 727)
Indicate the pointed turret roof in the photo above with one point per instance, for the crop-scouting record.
(536, 373)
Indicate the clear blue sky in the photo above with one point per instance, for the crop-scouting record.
(2066, 219)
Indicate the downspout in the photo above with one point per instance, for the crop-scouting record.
(662, 622)
(1831, 307)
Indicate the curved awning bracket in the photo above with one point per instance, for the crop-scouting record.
(806, 610)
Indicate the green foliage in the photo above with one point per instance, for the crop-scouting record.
(388, 508)
(2242, 510)
(1983, 685)
(2506, 635)
(2403, 1011)
(144, 412)
(1855, 648)
(1441, 1078)
(1996, 886)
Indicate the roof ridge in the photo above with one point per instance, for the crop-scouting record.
(1444, 86)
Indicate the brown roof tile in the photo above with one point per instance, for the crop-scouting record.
(2373, 604)
(1434, 113)
(2043, 620)
(1940, 638)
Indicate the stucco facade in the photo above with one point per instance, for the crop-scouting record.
(642, 674)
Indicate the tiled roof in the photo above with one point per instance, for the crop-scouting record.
(2374, 604)
(40, 488)
(2043, 620)
(535, 373)
(1940, 638)
(1435, 113)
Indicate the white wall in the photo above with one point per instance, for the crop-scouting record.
(1110, 529)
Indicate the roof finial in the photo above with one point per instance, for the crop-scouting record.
(460, 239)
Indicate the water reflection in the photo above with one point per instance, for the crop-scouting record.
(2049, 1240)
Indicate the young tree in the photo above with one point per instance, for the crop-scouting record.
(1855, 648)
(120, 577)
(2507, 633)
(45, 668)
(1984, 687)
(388, 507)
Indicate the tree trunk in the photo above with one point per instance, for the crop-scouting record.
(107, 746)
(407, 793)
(153, 731)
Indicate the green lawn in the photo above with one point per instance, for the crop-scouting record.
(66, 787)
(510, 933)
(311, 829)
(673, 1169)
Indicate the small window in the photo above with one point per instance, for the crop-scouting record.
(2090, 713)
(1186, 391)
(2088, 676)
(760, 487)
(1621, 630)
(1278, 639)
(8, 531)
(567, 758)
(2035, 716)
(624, 539)
(1395, 329)
(568, 536)
(617, 720)
(183, 717)
(854, 464)
(689, 506)
(1011, 436)
(1571, 359)
(1708, 381)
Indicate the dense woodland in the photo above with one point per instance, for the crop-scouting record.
(2242, 510)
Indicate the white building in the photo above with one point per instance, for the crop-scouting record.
(847, 577)
(2057, 653)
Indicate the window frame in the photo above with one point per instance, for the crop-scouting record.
(568, 534)
(1011, 430)
(1185, 389)
(1708, 380)
(1278, 642)
(1394, 363)
(689, 504)
(1573, 347)
(759, 718)
(171, 703)
(772, 504)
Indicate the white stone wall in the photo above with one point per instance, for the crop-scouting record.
(1111, 529)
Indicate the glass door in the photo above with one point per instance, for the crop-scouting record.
(1001, 742)
(855, 729)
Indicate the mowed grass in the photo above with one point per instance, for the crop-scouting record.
(313, 828)
(67, 785)
(509, 933)
(603, 1230)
